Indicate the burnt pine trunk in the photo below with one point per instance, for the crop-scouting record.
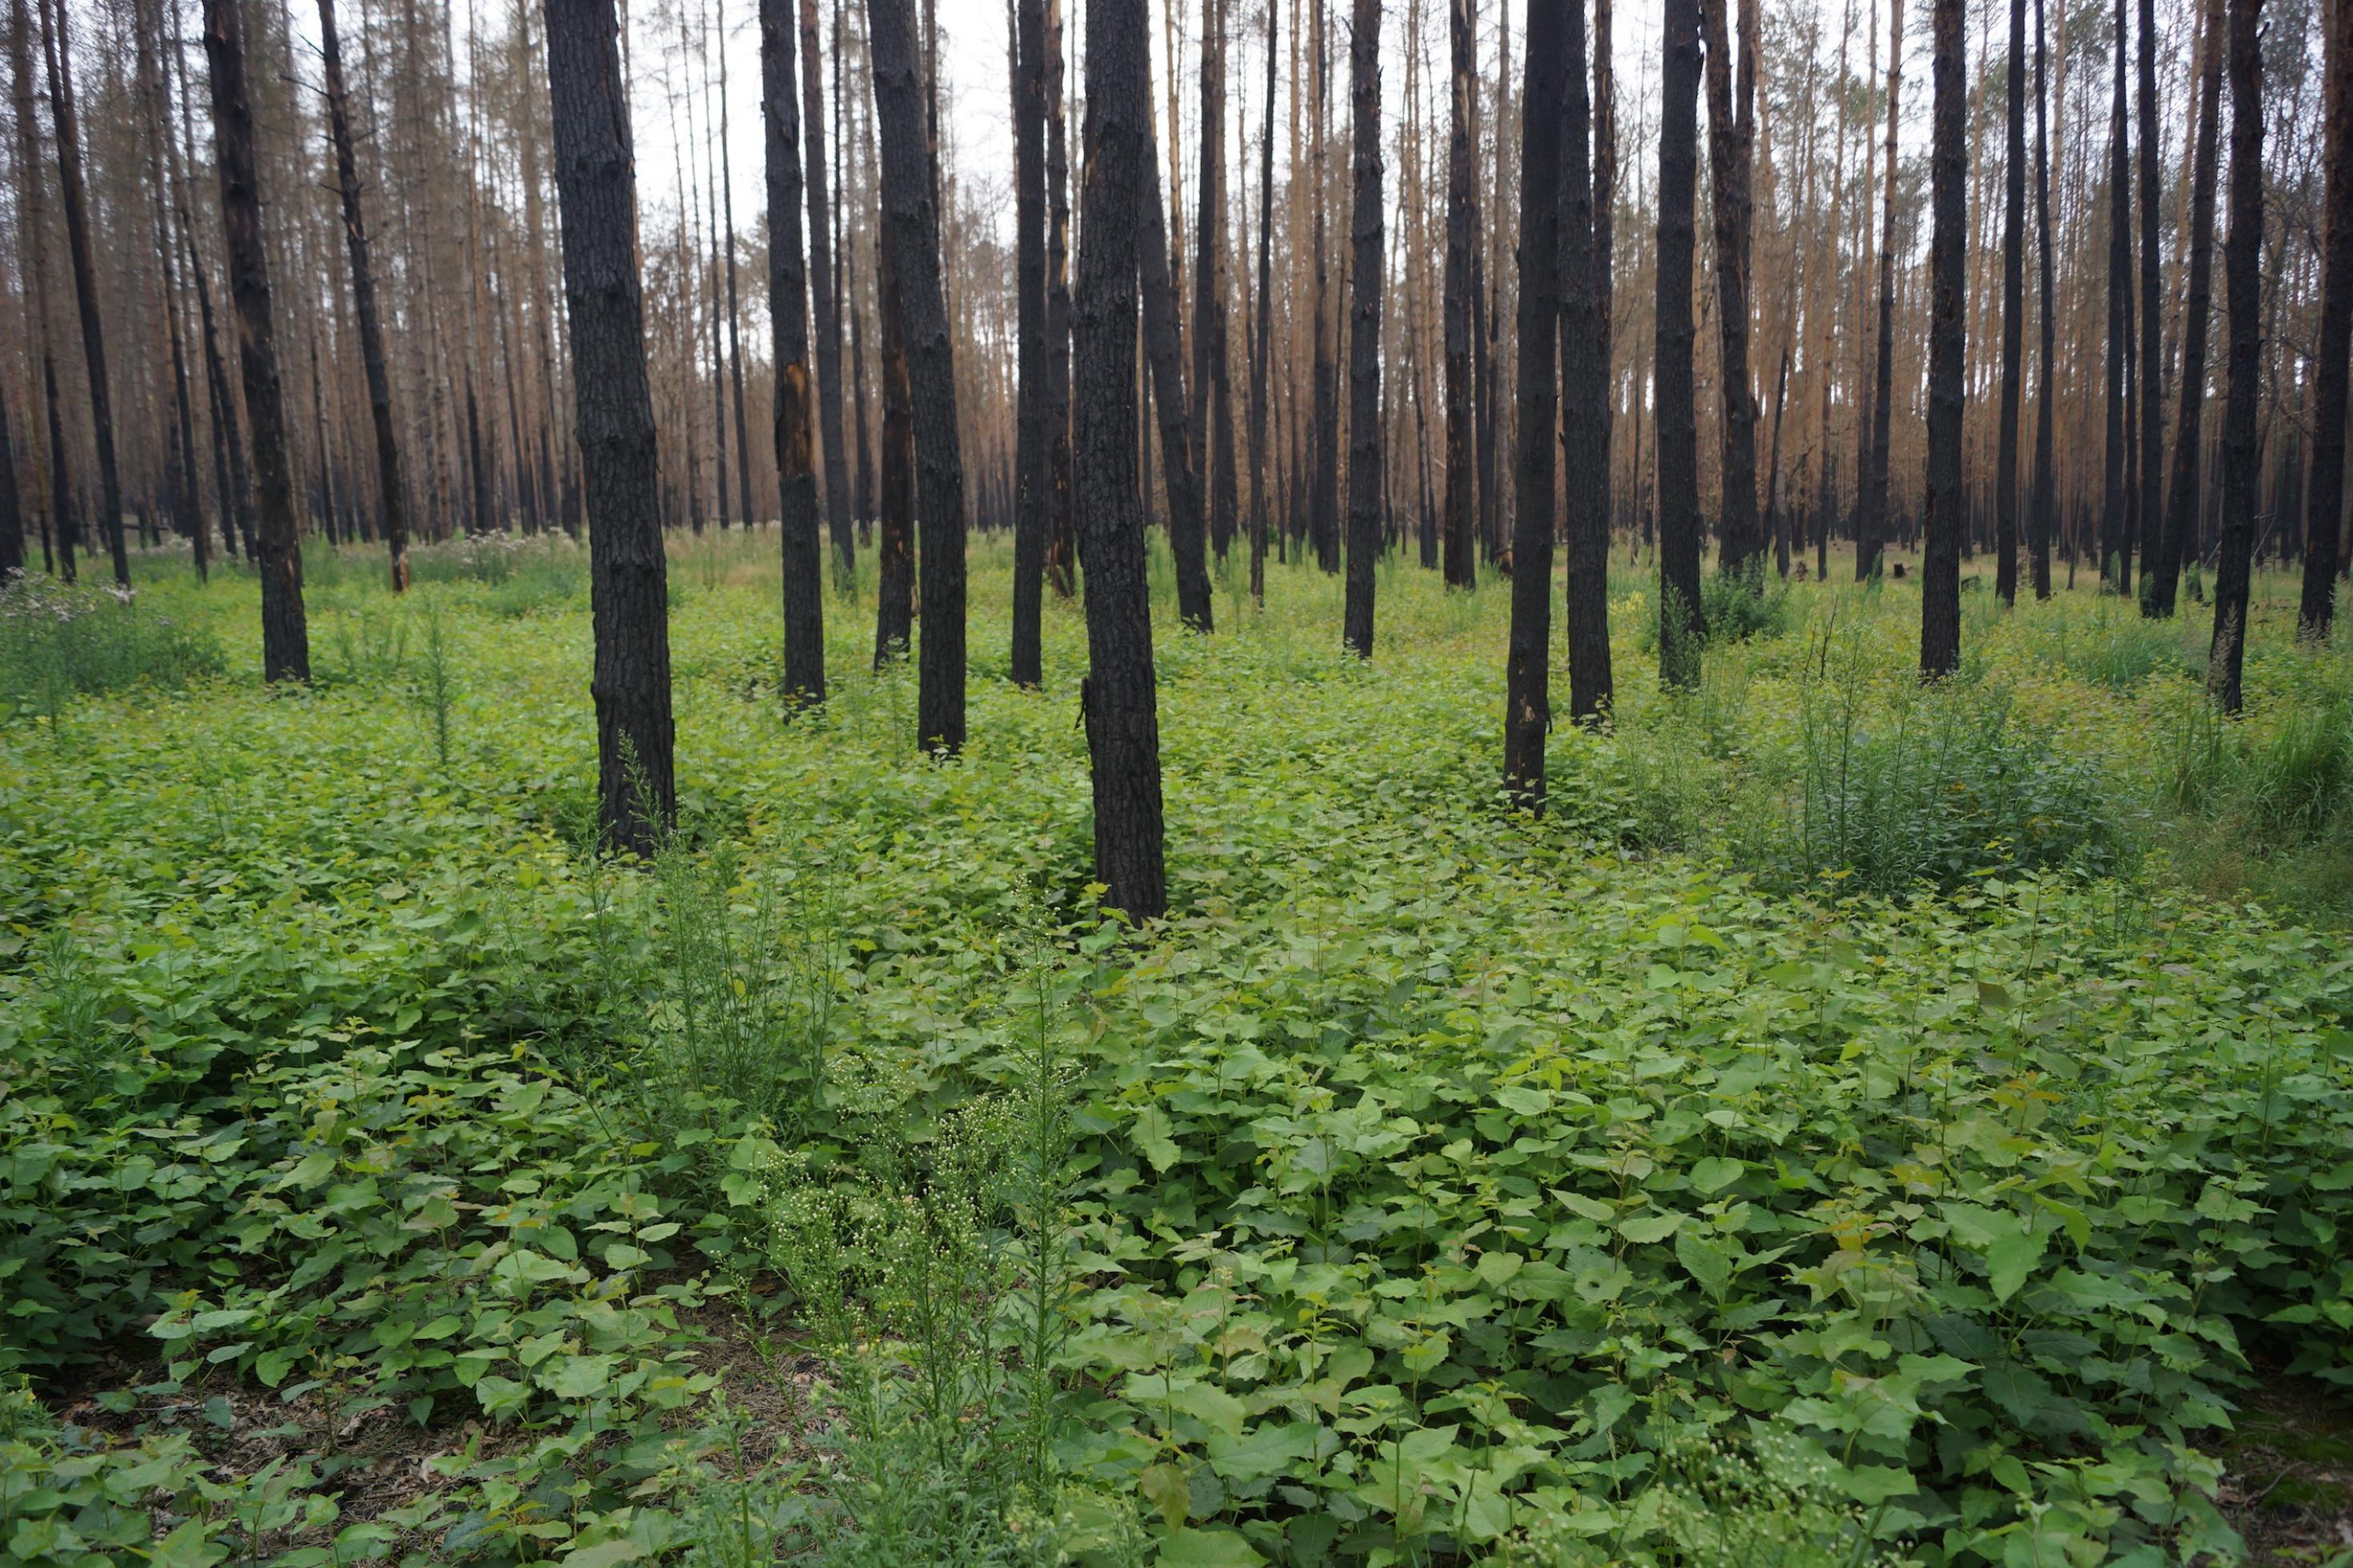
(1261, 336)
(596, 199)
(1947, 515)
(1117, 701)
(285, 638)
(804, 554)
(59, 50)
(1365, 461)
(1584, 393)
(1871, 524)
(2013, 315)
(1527, 699)
(1323, 489)
(1186, 526)
(1731, 134)
(2042, 506)
(910, 233)
(2115, 549)
(1212, 391)
(1031, 481)
(1461, 220)
(2241, 259)
(2325, 492)
(12, 514)
(822, 296)
(1059, 543)
(1605, 240)
(2183, 487)
(2152, 445)
(355, 244)
(894, 549)
(1677, 437)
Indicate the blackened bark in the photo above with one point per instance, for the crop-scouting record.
(1366, 512)
(1060, 546)
(58, 48)
(2180, 521)
(1323, 486)
(2013, 314)
(1461, 218)
(596, 190)
(1677, 437)
(910, 233)
(2242, 259)
(2041, 508)
(1212, 394)
(821, 298)
(1871, 520)
(894, 551)
(1117, 701)
(1731, 136)
(1031, 480)
(1605, 272)
(394, 497)
(2152, 339)
(1947, 515)
(1261, 338)
(12, 514)
(804, 554)
(1527, 699)
(1584, 391)
(2115, 548)
(2324, 494)
(1181, 473)
(285, 637)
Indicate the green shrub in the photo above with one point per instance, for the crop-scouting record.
(59, 641)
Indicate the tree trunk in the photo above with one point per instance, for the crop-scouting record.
(12, 514)
(1323, 490)
(821, 302)
(2013, 313)
(285, 638)
(894, 558)
(1031, 481)
(2242, 260)
(2115, 548)
(1186, 527)
(1584, 396)
(596, 190)
(1262, 338)
(1677, 437)
(1060, 544)
(1527, 702)
(1117, 701)
(802, 553)
(2042, 506)
(2152, 332)
(911, 234)
(1366, 513)
(1870, 522)
(2324, 494)
(60, 51)
(1461, 219)
(1947, 517)
(1212, 392)
(1731, 138)
(2180, 524)
(187, 513)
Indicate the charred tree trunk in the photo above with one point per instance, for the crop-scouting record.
(804, 553)
(1030, 478)
(2013, 314)
(2115, 548)
(2042, 506)
(1677, 438)
(1366, 529)
(2152, 445)
(2324, 494)
(1527, 702)
(2241, 262)
(894, 556)
(1262, 338)
(1212, 390)
(1060, 546)
(1186, 526)
(821, 294)
(285, 637)
(910, 233)
(1870, 524)
(1731, 138)
(12, 514)
(1947, 515)
(2182, 490)
(60, 51)
(596, 190)
(1118, 703)
(1461, 219)
(1584, 395)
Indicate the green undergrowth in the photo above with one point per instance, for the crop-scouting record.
(1847, 1127)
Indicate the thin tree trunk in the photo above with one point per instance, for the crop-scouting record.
(1947, 517)
(2152, 332)
(1677, 438)
(2013, 313)
(1060, 544)
(802, 552)
(1263, 339)
(285, 637)
(2325, 492)
(1366, 512)
(911, 234)
(12, 514)
(2241, 262)
(1584, 396)
(827, 320)
(2182, 494)
(188, 513)
(58, 49)
(1031, 481)
(2042, 506)
(894, 560)
(1185, 525)
(596, 190)
(1731, 138)
(1462, 218)
(1117, 701)
(2115, 548)
(1871, 527)
(1527, 702)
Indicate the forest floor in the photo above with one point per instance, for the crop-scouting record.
(1854, 1124)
